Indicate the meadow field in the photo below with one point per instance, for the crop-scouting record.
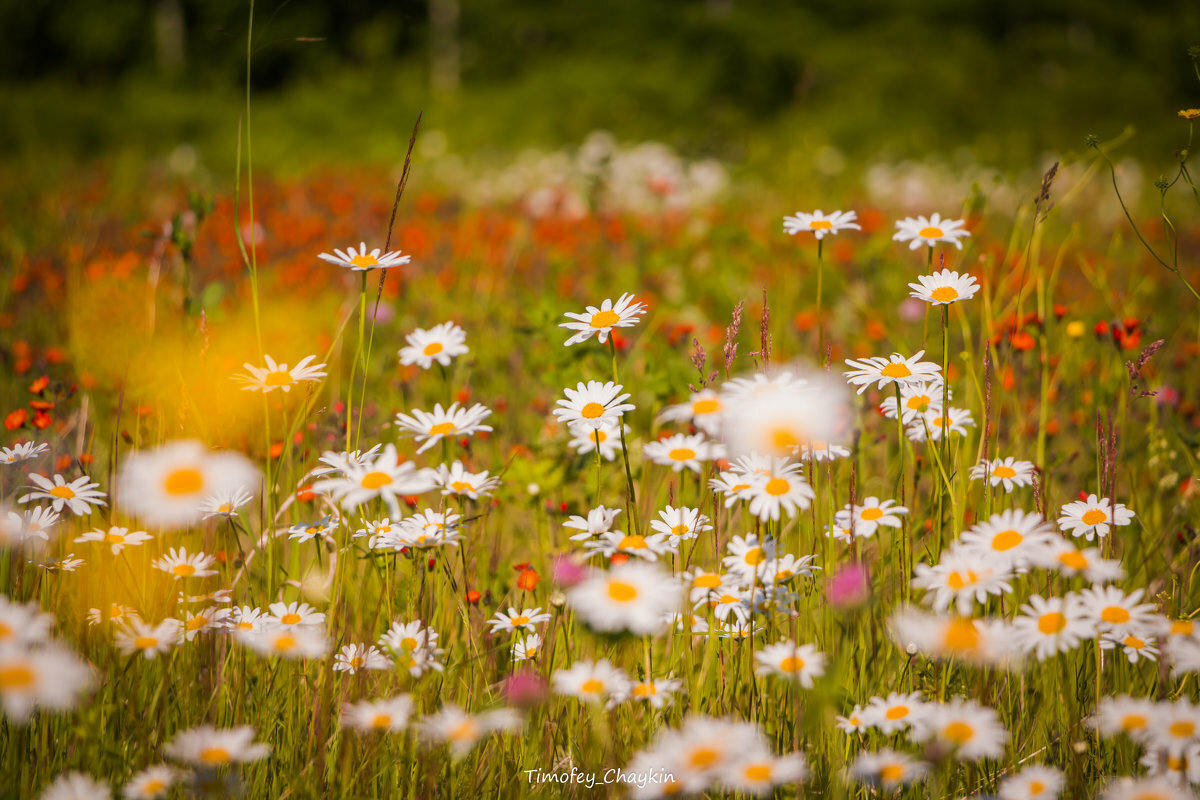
(602, 470)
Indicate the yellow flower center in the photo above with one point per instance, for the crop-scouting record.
(758, 772)
(63, 492)
(679, 530)
(605, 319)
(114, 538)
(356, 662)
(381, 721)
(703, 757)
(16, 677)
(930, 233)
(520, 619)
(591, 686)
(464, 732)
(958, 732)
(706, 406)
(960, 580)
(441, 428)
(681, 454)
(1051, 623)
(919, 403)
(896, 370)
(1001, 471)
(285, 642)
(961, 636)
(462, 486)
(278, 378)
(1094, 517)
(145, 642)
(754, 556)
(890, 773)
(777, 486)
(364, 260)
(1133, 722)
(632, 543)
(791, 664)
(183, 481)
(591, 410)
(6, 631)
(1073, 559)
(598, 436)
(1006, 540)
(245, 626)
(153, 787)
(196, 623)
(784, 439)
(944, 294)
(1179, 627)
(896, 712)
(1036, 787)
(290, 619)
(214, 756)
(1134, 642)
(1115, 615)
(871, 514)
(644, 690)
(622, 592)
(374, 480)
(183, 570)
(409, 643)
(730, 598)
(820, 225)
(1182, 729)
(707, 581)
(433, 348)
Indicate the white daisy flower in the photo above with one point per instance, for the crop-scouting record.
(599, 520)
(895, 712)
(384, 476)
(1135, 648)
(117, 538)
(353, 657)
(514, 620)
(894, 369)
(886, 769)
(1049, 627)
(433, 427)
(819, 224)
(758, 774)
(206, 746)
(148, 640)
(225, 503)
(391, 714)
(456, 480)
(1007, 471)
(527, 648)
(680, 524)
(1010, 540)
(585, 438)
(961, 579)
(151, 783)
(590, 681)
(1034, 782)
(49, 676)
(76, 786)
(703, 409)
(645, 547)
(683, 451)
(944, 288)
(23, 623)
(462, 731)
(657, 693)
(79, 496)
(594, 404)
(360, 260)
(930, 231)
(169, 486)
(777, 489)
(915, 399)
(440, 343)
(800, 663)
(600, 321)
(323, 528)
(288, 615)
(179, 564)
(634, 597)
(1093, 517)
(1112, 611)
(1070, 561)
(278, 376)
(866, 519)
(24, 451)
(973, 731)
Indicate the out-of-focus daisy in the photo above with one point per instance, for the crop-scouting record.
(895, 712)
(680, 524)
(79, 495)
(703, 409)
(1035, 782)
(33, 523)
(1174, 726)
(682, 451)
(413, 645)
(930, 231)
(759, 774)
(819, 224)
(515, 620)
(1158, 787)
(68, 563)
(600, 321)
(959, 638)
(353, 657)
(297, 641)
(118, 538)
(585, 438)
(76, 786)
(295, 613)
(391, 714)
(944, 288)
(657, 693)
(114, 613)
(462, 731)
(49, 676)
(527, 648)
(1123, 715)
(748, 555)
(934, 424)
(1007, 471)
(633, 597)
(800, 663)
(599, 520)
(915, 399)
(887, 769)
(383, 476)
(278, 376)
(1184, 654)
(960, 579)
(440, 343)
(1093, 517)
(1048, 627)
(594, 404)
(218, 596)
(247, 618)
(866, 519)
(645, 547)
(1009, 540)
(168, 486)
(782, 415)
(148, 640)
(854, 722)
(703, 747)
(206, 746)
(432, 427)
(151, 783)
(455, 479)
(1135, 648)
(179, 564)
(225, 503)
(894, 369)
(23, 623)
(22, 452)
(429, 528)
(973, 731)
(204, 621)
(1113, 611)
(360, 260)
(822, 451)
(323, 528)
(1070, 560)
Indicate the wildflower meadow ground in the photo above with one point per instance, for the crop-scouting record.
(618, 477)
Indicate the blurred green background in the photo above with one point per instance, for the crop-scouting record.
(750, 81)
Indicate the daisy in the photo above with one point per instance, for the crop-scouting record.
(600, 321)
(391, 714)
(586, 438)
(894, 369)
(780, 488)
(1070, 561)
(218, 596)
(1010, 540)
(151, 782)
(1124, 714)
(302, 532)
(895, 712)
(656, 693)
(703, 747)
(433, 427)
(803, 663)
(118, 538)
(206, 746)
(819, 224)
(1048, 627)
(786, 568)
(381, 475)
(599, 520)
(440, 343)
(428, 528)
(1134, 648)
(34, 523)
(76, 786)
(680, 524)
(181, 565)
(22, 452)
(50, 676)
(973, 731)
(23, 623)
(782, 417)
(68, 563)
(462, 731)
(887, 769)
(1174, 726)
(1112, 611)
(1184, 653)
(1093, 517)
(296, 641)
(148, 640)
(613, 542)
(944, 288)
(703, 410)
(456, 480)
(747, 556)
(205, 621)
(933, 424)
(295, 613)
(759, 774)
(226, 503)
(360, 260)
(115, 613)
(866, 519)
(854, 722)
(682, 451)
(168, 486)
(1035, 782)
(915, 399)
(1159, 787)
(353, 657)
(517, 620)
(595, 404)
(1007, 471)
(961, 638)
(278, 376)
(526, 649)
(823, 451)
(591, 681)
(245, 618)
(79, 495)
(634, 596)
(960, 578)
(414, 647)
(930, 231)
